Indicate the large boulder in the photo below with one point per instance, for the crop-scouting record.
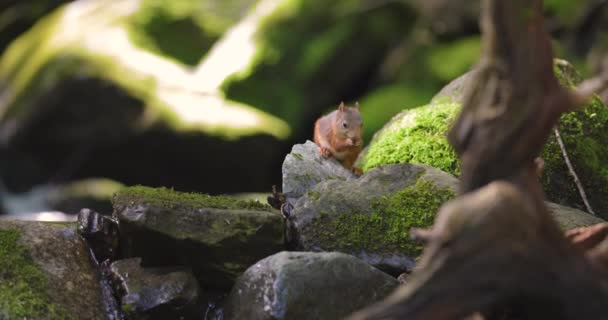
(156, 293)
(306, 285)
(419, 136)
(47, 273)
(369, 217)
(220, 237)
(96, 83)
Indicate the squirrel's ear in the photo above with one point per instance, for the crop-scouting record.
(357, 106)
(341, 108)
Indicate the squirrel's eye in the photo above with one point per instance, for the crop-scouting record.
(344, 125)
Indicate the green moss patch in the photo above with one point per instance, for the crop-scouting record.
(584, 134)
(23, 286)
(386, 229)
(417, 137)
(169, 198)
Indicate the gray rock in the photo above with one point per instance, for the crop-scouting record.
(155, 293)
(220, 237)
(47, 273)
(370, 217)
(570, 218)
(306, 285)
(304, 168)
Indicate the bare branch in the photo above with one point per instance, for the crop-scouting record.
(577, 181)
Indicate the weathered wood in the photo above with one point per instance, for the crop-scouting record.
(515, 99)
(495, 247)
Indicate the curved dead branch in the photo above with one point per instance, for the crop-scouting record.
(496, 247)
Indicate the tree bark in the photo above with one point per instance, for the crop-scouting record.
(496, 247)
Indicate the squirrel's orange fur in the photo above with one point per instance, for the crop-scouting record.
(339, 135)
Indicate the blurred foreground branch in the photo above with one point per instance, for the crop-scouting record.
(496, 248)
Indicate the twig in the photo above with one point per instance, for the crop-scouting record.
(577, 181)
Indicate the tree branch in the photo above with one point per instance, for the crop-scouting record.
(496, 246)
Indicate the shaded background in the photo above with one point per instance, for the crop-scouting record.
(210, 95)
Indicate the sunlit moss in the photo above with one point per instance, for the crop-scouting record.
(419, 136)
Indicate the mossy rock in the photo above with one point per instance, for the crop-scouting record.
(47, 273)
(310, 54)
(419, 136)
(371, 217)
(306, 286)
(218, 236)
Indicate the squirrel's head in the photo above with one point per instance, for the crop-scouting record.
(349, 125)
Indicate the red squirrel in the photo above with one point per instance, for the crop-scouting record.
(339, 135)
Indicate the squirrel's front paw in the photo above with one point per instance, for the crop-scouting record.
(325, 153)
(357, 171)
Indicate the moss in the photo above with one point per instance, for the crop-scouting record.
(23, 286)
(313, 195)
(584, 134)
(128, 308)
(386, 228)
(168, 198)
(422, 140)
